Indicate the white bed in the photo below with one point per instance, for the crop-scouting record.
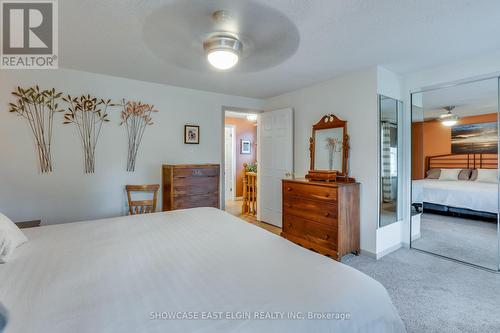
(477, 196)
(110, 275)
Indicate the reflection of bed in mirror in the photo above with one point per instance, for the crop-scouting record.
(465, 197)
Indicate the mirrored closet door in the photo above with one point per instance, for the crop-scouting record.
(455, 172)
(390, 158)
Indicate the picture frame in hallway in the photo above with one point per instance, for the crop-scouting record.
(245, 147)
(192, 134)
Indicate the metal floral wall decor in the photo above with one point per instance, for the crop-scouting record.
(38, 107)
(88, 114)
(136, 116)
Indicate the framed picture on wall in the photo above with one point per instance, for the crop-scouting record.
(245, 147)
(191, 134)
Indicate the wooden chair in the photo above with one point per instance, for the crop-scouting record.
(142, 206)
(249, 192)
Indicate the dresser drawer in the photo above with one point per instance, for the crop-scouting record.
(313, 210)
(193, 201)
(195, 185)
(195, 172)
(315, 192)
(311, 231)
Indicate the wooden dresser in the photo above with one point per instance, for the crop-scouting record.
(190, 186)
(322, 216)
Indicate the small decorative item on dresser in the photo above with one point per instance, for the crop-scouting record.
(191, 134)
(190, 186)
(245, 147)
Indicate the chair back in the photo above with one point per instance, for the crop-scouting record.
(249, 192)
(142, 206)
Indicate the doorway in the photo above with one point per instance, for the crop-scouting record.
(240, 156)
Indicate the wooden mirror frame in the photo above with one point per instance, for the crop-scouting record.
(327, 122)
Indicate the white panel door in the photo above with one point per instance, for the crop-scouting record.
(275, 162)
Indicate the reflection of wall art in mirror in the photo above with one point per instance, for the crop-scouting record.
(329, 149)
(475, 139)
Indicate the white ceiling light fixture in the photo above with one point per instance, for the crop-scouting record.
(449, 119)
(251, 117)
(223, 50)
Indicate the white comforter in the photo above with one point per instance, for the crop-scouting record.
(478, 196)
(110, 275)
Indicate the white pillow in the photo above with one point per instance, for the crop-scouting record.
(449, 174)
(10, 238)
(487, 175)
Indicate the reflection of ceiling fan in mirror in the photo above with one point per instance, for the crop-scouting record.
(449, 119)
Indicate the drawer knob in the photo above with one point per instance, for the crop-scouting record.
(288, 188)
(289, 225)
(327, 236)
(327, 214)
(327, 195)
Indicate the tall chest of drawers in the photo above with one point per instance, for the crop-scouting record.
(190, 186)
(322, 216)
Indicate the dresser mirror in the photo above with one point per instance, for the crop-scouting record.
(329, 149)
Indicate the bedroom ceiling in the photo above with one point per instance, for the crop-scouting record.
(324, 38)
(470, 99)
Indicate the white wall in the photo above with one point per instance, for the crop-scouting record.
(67, 194)
(351, 97)
(487, 64)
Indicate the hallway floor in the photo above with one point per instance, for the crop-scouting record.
(233, 207)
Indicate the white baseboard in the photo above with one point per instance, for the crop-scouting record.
(368, 254)
(379, 255)
(389, 250)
